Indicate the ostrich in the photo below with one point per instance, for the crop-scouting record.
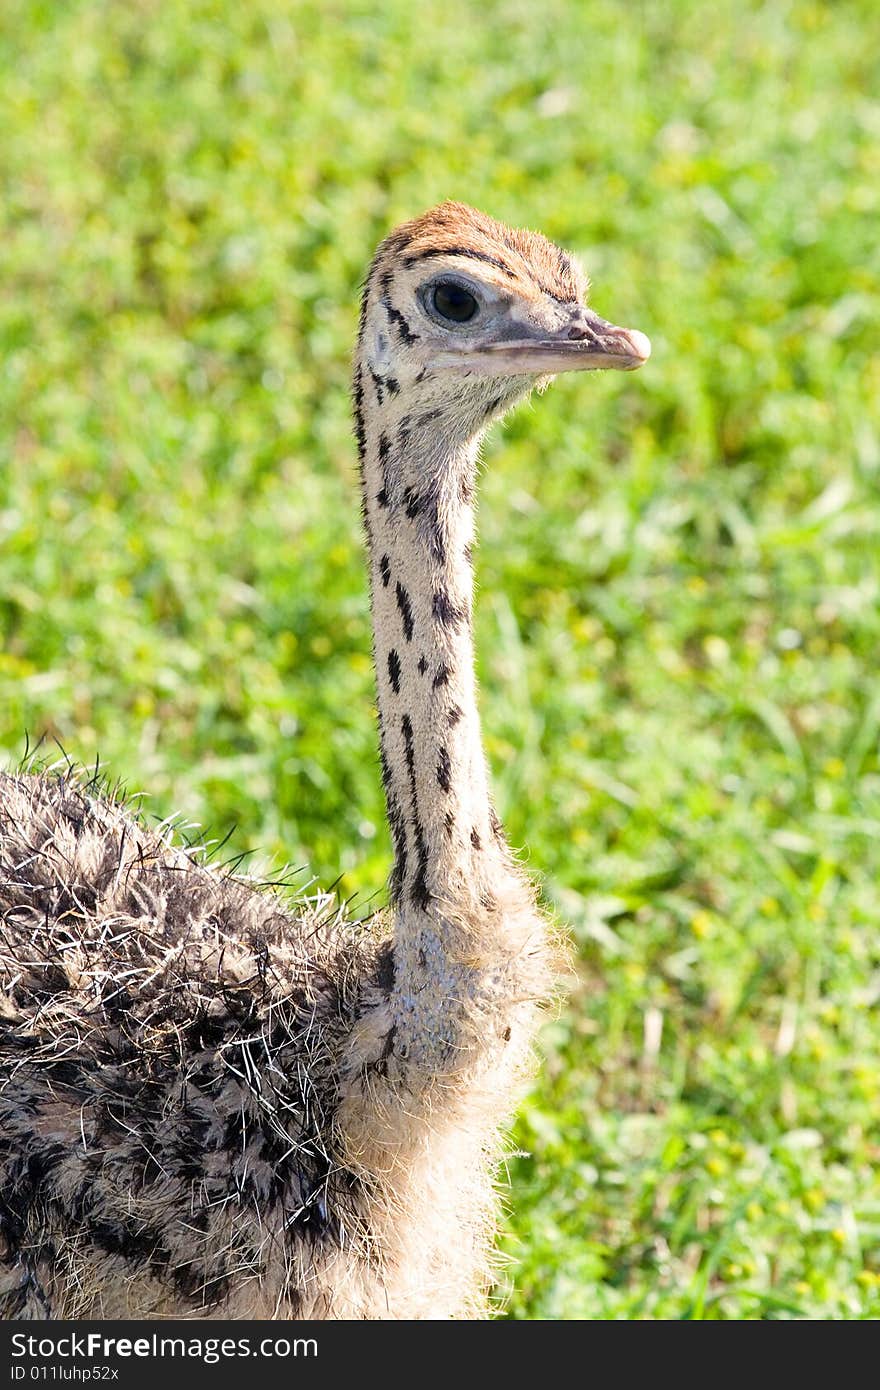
(212, 1105)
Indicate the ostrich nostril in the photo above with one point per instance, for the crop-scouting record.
(579, 330)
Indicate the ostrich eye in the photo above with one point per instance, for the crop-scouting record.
(453, 302)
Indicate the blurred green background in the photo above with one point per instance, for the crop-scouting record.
(679, 572)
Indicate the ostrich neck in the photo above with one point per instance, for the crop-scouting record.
(450, 858)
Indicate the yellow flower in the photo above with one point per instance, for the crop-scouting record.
(701, 925)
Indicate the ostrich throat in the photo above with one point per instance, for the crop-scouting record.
(451, 864)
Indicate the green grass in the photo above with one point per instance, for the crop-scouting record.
(680, 572)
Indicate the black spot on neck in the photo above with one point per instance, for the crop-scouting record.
(444, 769)
(447, 613)
(438, 540)
(384, 449)
(387, 780)
(394, 671)
(420, 893)
(405, 607)
(379, 384)
(409, 748)
(385, 571)
(360, 433)
(397, 823)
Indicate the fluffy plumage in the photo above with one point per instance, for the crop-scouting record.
(169, 1039)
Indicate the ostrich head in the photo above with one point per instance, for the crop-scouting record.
(464, 315)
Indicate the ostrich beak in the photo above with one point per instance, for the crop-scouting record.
(586, 343)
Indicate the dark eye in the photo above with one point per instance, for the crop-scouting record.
(454, 302)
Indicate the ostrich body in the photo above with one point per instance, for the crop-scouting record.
(214, 1106)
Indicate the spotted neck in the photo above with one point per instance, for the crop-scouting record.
(451, 863)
